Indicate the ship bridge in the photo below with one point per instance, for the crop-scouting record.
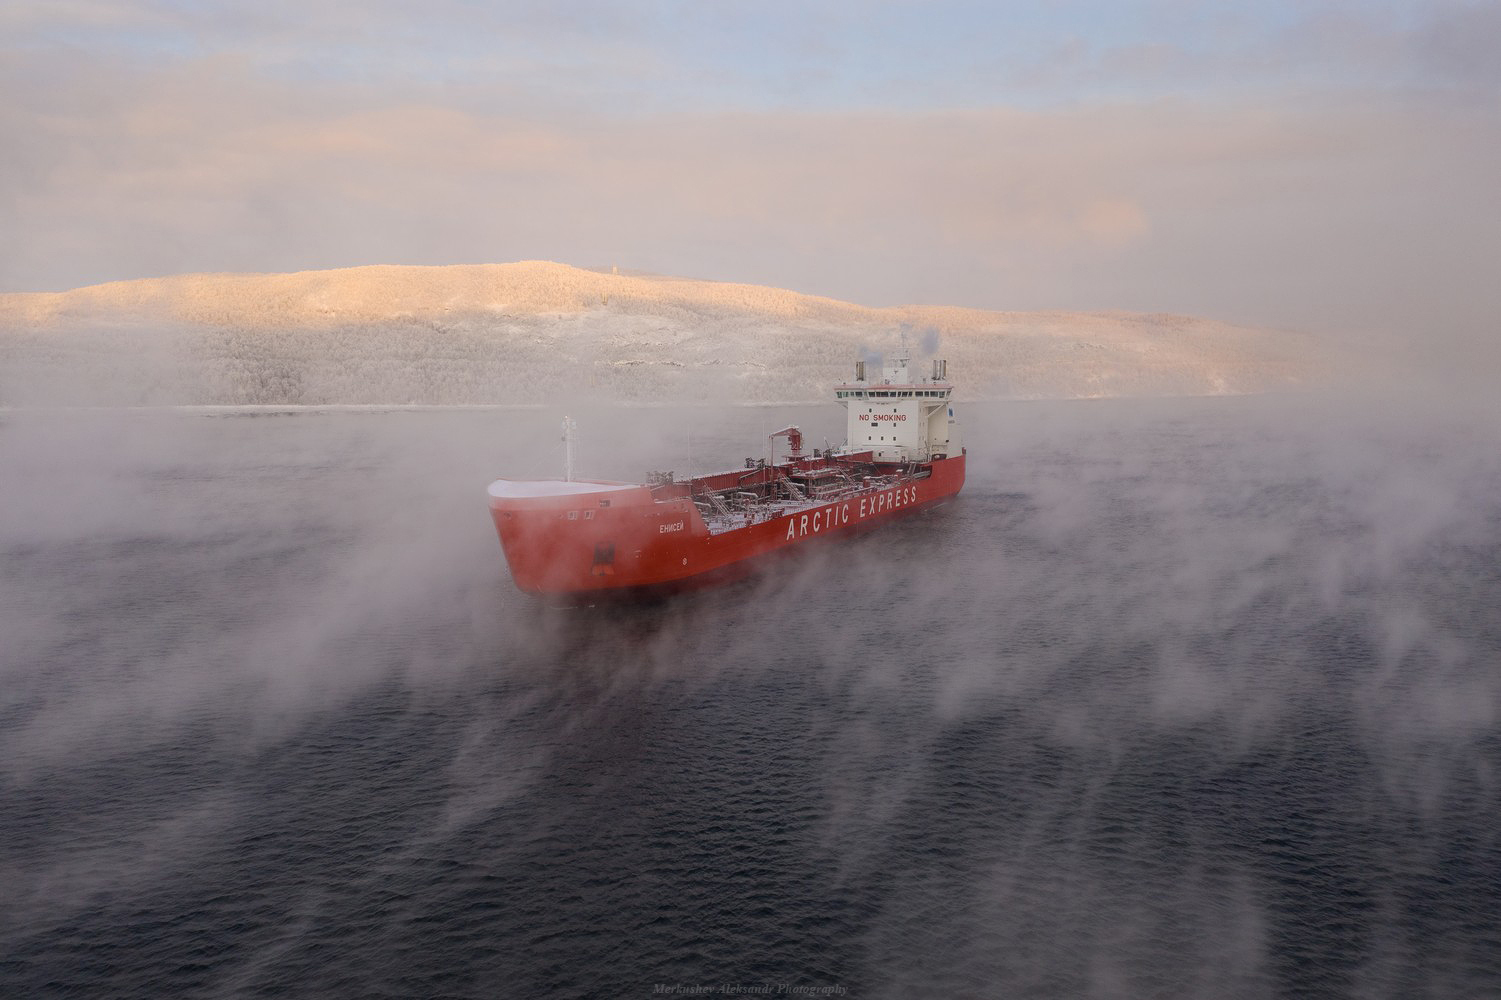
(897, 417)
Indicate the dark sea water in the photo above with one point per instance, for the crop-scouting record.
(1180, 699)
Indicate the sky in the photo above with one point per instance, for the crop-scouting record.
(1315, 165)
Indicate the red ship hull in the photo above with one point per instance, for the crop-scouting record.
(594, 541)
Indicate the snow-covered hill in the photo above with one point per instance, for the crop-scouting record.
(535, 332)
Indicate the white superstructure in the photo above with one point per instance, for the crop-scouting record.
(898, 417)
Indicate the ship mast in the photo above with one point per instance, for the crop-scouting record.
(903, 356)
(568, 428)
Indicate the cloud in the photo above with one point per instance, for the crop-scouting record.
(1317, 211)
(1457, 44)
(1114, 221)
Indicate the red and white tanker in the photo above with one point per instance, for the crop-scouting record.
(589, 540)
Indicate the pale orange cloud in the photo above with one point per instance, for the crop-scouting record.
(1114, 222)
(1313, 214)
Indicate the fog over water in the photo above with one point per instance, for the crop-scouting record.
(1180, 698)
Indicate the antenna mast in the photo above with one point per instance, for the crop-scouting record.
(568, 428)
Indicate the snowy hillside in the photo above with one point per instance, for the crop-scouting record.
(535, 332)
